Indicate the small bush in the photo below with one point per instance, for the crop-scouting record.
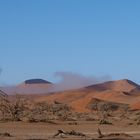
(105, 122)
(6, 134)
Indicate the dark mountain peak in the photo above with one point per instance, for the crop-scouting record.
(37, 81)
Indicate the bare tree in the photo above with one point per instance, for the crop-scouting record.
(102, 109)
(61, 110)
(41, 111)
(13, 109)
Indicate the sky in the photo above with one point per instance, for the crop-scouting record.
(88, 37)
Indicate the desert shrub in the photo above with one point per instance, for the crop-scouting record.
(63, 111)
(13, 109)
(6, 134)
(20, 109)
(105, 122)
(43, 112)
(39, 112)
(130, 123)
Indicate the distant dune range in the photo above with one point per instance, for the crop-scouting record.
(121, 91)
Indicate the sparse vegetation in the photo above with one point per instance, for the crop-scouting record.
(13, 109)
(105, 110)
(18, 108)
(102, 112)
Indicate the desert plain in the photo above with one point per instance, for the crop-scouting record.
(109, 110)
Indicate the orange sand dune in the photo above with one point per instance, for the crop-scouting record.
(121, 91)
(120, 85)
(136, 105)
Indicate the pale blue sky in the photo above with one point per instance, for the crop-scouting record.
(90, 37)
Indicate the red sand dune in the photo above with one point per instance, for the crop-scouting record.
(136, 105)
(121, 91)
(120, 85)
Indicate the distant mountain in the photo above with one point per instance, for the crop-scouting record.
(37, 81)
(31, 86)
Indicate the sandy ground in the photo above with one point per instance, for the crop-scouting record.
(44, 131)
